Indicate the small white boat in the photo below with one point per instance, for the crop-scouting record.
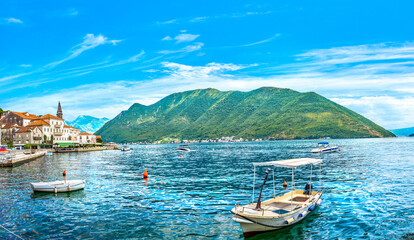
(125, 149)
(184, 148)
(279, 211)
(59, 186)
(49, 154)
(323, 147)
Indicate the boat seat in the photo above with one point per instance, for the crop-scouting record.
(300, 198)
(281, 206)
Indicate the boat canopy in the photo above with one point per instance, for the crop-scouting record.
(290, 163)
(323, 143)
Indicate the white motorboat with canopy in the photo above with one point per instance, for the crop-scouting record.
(279, 211)
(324, 147)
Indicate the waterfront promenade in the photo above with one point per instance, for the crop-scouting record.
(18, 158)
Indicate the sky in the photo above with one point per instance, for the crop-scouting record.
(99, 57)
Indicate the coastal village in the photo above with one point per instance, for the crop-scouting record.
(20, 129)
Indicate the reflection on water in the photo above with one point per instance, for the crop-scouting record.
(367, 192)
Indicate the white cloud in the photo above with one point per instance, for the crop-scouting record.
(168, 22)
(387, 111)
(186, 49)
(25, 65)
(199, 72)
(198, 19)
(90, 41)
(361, 53)
(186, 37)
(262, 41)
(73, 12)
(166, 38)
(13, 20)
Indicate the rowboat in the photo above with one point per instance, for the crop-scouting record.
(323, 147)
(59, 186)
(279, 211)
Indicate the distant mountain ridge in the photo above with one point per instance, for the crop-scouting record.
(262, 113)
(87, 123)
(403, 131)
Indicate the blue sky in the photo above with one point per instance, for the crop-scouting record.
(99, 57)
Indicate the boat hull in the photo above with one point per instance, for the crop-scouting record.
(58, 186)
(325, 150)
(252, 226)
(183, 149)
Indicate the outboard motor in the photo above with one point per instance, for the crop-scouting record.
(308, 189)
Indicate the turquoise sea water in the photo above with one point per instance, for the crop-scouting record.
(368, 192)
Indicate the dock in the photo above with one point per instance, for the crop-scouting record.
(17, 159)
(89, 149)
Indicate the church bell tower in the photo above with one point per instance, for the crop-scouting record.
(59, 113)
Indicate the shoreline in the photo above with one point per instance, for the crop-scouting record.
(16, 160)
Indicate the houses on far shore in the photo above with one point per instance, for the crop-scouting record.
(24, 128)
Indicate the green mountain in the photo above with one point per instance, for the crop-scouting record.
(262, 113)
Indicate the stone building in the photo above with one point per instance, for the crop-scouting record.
(21, 119)
(87, 138)
(27, 135)
(7, 132)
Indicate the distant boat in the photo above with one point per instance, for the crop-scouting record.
(184, 148)
(49, 154)
(125, 149)
(323, 147)
(59, 186)
(279, 211)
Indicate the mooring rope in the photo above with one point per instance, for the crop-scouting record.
(11, 232)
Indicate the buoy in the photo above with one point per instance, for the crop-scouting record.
(64, 173)
(145, 174)
(181, 156)
(284, 183)
(213, 149)
(311, 208)
(55, 190)
(339, 149)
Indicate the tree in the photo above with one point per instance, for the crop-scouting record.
(1, 111)
(51, 139)
(99, 140)
(44, 139)
(10, 144)
(70, 138)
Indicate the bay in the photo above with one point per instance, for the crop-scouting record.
(368, 190)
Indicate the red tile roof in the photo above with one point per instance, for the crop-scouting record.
(26, 115)
(49, 116)
(24, 129)
(85, 134)
(67, 126)
(38, 123)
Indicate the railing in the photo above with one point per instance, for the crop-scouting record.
(58, 134)
(37, 138)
